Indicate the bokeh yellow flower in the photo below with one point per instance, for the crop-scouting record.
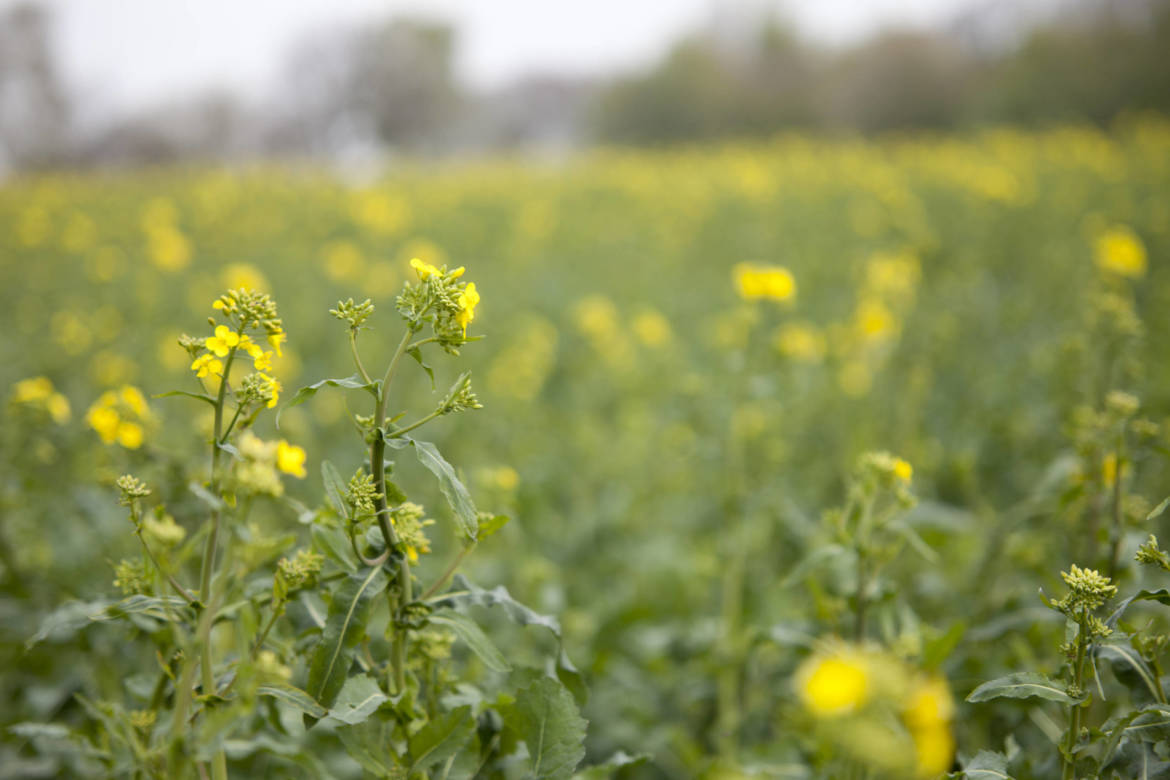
(290, 459)
(1120, 251)
(834, 684)
(772, 282)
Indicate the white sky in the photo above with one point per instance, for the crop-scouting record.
(125, 54)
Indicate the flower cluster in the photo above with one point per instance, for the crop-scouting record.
(296, 573)
(441, 300)
(409, 520)
(261, 462)
(120, 416)
(38, 393)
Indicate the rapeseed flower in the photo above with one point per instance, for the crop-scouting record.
(224, 341)
(834, 684)
(39, 392)
(772, 282)
(468, 299)
(119, 416)
(207, 365)
(1120, 251)
(290, 459)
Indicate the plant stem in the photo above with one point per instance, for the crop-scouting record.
(1115, 531)
(417, 424)
(1074, 711)
(861, 544)
(446, 575)
(357, 360)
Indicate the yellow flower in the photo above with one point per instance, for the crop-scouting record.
(874, 320)
(772, 282)
(468, 299)
(929, 705)
(290, 459)
(130, 435)
(274, 387)
(58, 407)
(651, 328)
(934, 750)
(1121, 252)
(31, 390)
(903, 470)
(456, 273)
(834, 685)
(276, 339)
(208, 364)
(262, 361)
(425, 270)
(105, 421)
(224, 341)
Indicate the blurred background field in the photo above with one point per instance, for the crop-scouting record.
(962, 209)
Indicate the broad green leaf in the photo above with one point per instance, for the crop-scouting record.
(1129, 659)
(196, 396)
(1151, 725)
(1023, 685)
(441, 738)
(344, 628)
(545, 716)
(470, 632)
(160, 607)
(605, 770)
(295, 697)
(449, 484)
(363, 744)
(360, 697)
(464, 593)
(987, 765)
(354, 382)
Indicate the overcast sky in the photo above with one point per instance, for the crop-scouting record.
(125, 54)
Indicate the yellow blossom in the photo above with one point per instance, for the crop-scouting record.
(772, 282)
(262, 361)
(224, 341)
(425, 270)
(206, 365)
(290, 459)
(1120, 251)
(105, 421)
(468, 299)
(39, 392)
(834, 685)
(903, 470)
(929, 705)
(934, 750)
(456, 273)
(276, 338)
(274, 387)
(651, 328)
(130, 435)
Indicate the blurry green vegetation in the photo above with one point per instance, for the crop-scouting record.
(666, 449)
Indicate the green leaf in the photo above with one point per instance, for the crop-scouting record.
(416, 353)
(489, 524)
(344, 628)
(464, 593)
(63, 623)
(295, 697)
(545, 716)
(333, 543)
(808, 563)
(1023, 685)
(214, 502)
(935, 651)
(354, 382)
(363, 743)
(1126, 657)
(605, 770)
(1161, 595)
(470, 632)
(441, 738)
(987, 765)
(452, 489)
(197, 396)
(360, 697)
(335, 488)
(159, 607)
(1151, 725)
(54, 731)
(1158, 510)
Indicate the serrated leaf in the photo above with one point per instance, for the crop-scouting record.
(1022, 685)
(450, 486)
(545, 716)
(474, 637)
(295, 697)
(344, 628)
(196, 396)
(441, 738)
(464, 593)
(354, 382)
(605, 770)
(987, 765)
(360, 697)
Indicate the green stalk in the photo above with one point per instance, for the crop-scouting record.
(1074, 709)
(1115, 532)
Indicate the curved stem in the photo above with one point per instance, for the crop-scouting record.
(417, 424)
(446, 575)
(357, 359)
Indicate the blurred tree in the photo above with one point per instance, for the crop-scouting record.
(34, 112)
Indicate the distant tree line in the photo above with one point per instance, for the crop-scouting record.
(355, 92)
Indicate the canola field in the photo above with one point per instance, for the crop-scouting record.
(808, 458)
